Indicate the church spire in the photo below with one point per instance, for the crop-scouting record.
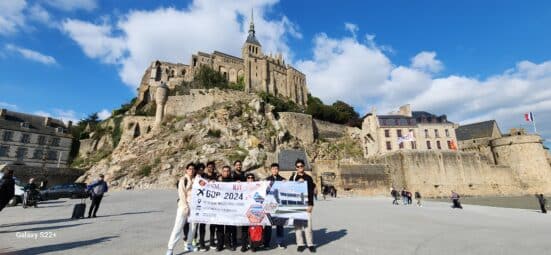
(251, 25)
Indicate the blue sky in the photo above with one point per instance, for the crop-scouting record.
(471, 60)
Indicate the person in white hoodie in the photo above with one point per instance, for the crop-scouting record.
(182, 214)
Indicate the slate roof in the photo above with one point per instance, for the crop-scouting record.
(13, 121)
(252, 39)
(427, 117)
(475, 130)
(286, 159)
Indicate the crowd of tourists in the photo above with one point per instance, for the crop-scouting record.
(226, 236)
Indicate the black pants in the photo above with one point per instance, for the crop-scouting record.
(227, 235)
(202, 230)
(456, 204)
(543, 209)
(213, 234)
(96, 200)
(268, 235)
(186, 230)
(244, 236)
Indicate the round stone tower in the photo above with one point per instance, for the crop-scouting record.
(161, 95)
(525, 154)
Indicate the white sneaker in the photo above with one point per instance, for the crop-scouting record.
(189, 248)
(168, 252)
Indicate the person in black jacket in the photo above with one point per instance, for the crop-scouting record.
(542, 201)
(7, 188)
(226, 234)
(300, 227)
(210, 175)
(274, 168)
(238, 173)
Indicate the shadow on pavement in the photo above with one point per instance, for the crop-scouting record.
(321, 236)
(38, 222)
(127, 213)
(43, 228)
(61, 247)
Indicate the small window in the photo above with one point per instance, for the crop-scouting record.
(38, 154)
(55, 142)
(387, 133)
(449, 144)
(436, 133)
(413, 145)
(426, 133)
(428, 145)
(399, 133)
(388, 146)
(401, 145)
(438, 145)
(447, 133)
(41, 140)
(8, 136)
(21, 153)
(25, 138)
(4, 151)
(52, 155)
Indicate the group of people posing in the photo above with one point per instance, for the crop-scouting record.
(225, 236)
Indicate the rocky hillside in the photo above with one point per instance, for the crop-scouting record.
(244, 129)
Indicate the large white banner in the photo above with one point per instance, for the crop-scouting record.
(228, 203)
(248, 203)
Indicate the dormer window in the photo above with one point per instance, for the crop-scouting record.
(25, 124)
(59, 130)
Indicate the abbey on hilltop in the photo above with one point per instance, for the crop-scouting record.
(257, 71)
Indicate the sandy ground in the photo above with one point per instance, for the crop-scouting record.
(139, 222)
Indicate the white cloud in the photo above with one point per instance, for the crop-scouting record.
(352, 28)
(39, 14)
(8, 106)
(426, 60)
(32, 55)
(11, 16)
(360, 73)
(140, 37)
(72, 5)
(104, 114)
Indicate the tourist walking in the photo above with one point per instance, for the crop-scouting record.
(274, 169)
(542, 201)
(404, 196)
(394, 194)
(455, 200)
(7, 188)
(418, 198)
(184, 196)
(409, 198)
(300, 227)
(96, 189)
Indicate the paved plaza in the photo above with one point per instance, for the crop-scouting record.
(139, 222)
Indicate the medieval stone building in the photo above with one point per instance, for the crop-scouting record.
(257, 71)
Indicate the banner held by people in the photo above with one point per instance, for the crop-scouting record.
(228, 203)
(286, 202)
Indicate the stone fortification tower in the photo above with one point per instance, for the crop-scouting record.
(525, 154)
(161, 95)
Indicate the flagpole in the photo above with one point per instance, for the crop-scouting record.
(534, 123)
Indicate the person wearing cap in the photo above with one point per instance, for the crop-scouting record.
(96, 189)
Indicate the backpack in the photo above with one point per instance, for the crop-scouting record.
(255, 233)
(99, 189)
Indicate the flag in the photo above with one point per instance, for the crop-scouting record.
(529, 117)
(407, 138)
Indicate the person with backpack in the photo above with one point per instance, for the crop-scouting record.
(274, 168)
(7, 188)
(300, 227)
(96, 189)
(182, 213)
